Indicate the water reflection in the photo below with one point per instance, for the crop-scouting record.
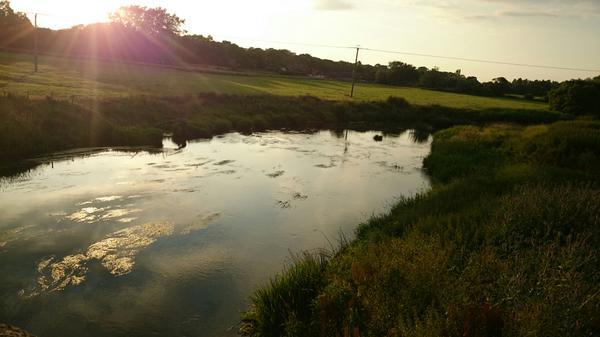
(116, 253)
(24, 170)
(138, 243)
(420, 136)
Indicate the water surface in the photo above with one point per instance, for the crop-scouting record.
(121, 243)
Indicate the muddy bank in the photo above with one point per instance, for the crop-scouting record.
(12, 331)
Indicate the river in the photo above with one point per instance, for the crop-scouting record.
(172, 242)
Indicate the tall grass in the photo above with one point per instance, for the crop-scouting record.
(281, 308)
(30, 127)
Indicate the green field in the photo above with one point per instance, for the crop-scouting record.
(64, 78)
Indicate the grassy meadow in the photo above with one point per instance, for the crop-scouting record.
(64, 78)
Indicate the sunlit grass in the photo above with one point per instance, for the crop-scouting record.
(62, 78)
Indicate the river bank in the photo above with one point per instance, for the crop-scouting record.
(33, 127)
(505, 244)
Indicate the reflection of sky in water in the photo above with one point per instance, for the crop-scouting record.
(135, 244)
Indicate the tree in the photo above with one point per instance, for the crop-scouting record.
(500, 86)
(15, 27)
(431, 79)
(576, 97)
(403, 74)
(152, 21)
(469, 85)
(8, 15)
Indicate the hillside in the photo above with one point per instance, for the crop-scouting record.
(64, 78)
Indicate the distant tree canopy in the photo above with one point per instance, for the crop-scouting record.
(15, 27)
(10, 18)
(398, 73)
(153, 21)
(577, 97)
(152, 35)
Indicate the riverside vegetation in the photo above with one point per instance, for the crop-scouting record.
(31, 127)
(505, 244)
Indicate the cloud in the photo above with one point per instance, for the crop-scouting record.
(509, 9)
(332, 5)
(527, 14)
(546, 8)
(479, 17)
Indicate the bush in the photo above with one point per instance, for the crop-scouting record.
(462, 151)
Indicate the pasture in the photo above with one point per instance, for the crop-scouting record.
(63, 78)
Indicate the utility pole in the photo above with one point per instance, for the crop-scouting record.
(354, 72)
(35, 44)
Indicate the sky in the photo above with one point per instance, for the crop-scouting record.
(540, 32)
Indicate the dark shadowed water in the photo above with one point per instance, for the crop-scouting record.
(172, 243)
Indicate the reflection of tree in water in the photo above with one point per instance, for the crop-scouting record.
(25, 169)
(338, 133)
(19, 170)
(16, 171)
(346, 143)
(341, 134)
(419, 136)
(394, 132)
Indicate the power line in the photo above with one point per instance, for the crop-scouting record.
(483, 61)
(529, 65)
(222, 37)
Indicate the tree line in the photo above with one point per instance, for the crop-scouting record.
(403, 74)
(152, 35)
